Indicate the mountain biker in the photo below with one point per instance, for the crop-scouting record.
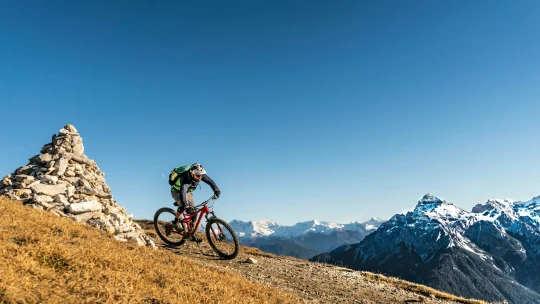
(182, 190)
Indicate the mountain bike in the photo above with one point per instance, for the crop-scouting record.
(220, 235)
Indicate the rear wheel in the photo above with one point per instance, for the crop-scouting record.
(164, 228)
(222, 238)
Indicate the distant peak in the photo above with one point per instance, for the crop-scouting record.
(374, 221)
(493, 204)
(266, 221)
(430, 199)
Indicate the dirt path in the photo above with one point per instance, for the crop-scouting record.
(309, 282)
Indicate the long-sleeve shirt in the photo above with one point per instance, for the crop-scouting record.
(186, 183)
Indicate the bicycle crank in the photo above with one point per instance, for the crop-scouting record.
(196, 239)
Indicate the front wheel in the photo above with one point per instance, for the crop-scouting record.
(222, 238)
(164, 228)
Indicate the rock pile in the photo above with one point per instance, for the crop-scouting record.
(62, 180)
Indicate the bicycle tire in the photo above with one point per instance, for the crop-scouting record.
(229, 251)
(158, 224)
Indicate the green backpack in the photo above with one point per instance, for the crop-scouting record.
(175, 174)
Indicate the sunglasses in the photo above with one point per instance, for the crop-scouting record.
(197, 175)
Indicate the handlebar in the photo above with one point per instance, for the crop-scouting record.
(213, 198)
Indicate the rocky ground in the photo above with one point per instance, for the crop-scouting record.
(309, 282)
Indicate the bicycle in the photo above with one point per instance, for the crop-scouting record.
(220, 235)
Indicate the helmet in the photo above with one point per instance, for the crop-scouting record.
(197, 169)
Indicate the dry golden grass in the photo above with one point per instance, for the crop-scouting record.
(417, 288)
(47, 259)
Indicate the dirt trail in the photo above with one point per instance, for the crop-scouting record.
(309, 282)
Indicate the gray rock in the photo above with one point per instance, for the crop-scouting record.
(45, 157)
(46, 148)
(83, 207)
(50, 190)
(78, 149)
(49, 179)
(88, 191)
(81, 159)
(18, 185)
(119, 217)
(70, 128)
(43, 199)
(124, 228)
(102, 194)
(96, 214)
(23, 178)
(137, 241)
(61, 166)
(25, 170)
(82, 217)
(110, 228)
(46, 206)
(58, 211)
(84, 183)
(60, 198)
(70, 179)
(110, 210)
(6, 190)
(119, 239)
(34, 160)
(6, 181)
(23, 193)
(70, 191)
(150, 243)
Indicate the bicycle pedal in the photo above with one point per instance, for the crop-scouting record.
(196, 239)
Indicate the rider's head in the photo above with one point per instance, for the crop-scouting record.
(197, 171)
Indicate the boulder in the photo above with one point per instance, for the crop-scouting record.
(43, 199)
(50, 190)
(83, 207)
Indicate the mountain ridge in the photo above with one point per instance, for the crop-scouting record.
(500, 236)
(303, 239)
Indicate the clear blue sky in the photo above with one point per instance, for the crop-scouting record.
(299, 110)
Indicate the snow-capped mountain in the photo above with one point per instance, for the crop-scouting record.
(491, 253)
(304, 239)
(270, 228)
(254, 229)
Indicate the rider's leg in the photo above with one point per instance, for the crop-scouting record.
(176, 197)
(191, 203)
(181, 208)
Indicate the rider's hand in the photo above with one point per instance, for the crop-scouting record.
(217, 192)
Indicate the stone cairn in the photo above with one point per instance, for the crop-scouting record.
(66, 182)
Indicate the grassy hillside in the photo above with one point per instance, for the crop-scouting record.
(48, 259)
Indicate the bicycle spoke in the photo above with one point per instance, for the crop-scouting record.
(222, 238)
(164, 228)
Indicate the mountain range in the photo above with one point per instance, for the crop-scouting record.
(491, 253)
(302, 240)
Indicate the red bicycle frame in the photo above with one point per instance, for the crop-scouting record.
(187, 219)
(204, 211)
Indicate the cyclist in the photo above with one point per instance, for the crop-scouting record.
(182, 190)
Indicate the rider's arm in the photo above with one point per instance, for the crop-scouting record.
(183, 191)
(209, 181)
